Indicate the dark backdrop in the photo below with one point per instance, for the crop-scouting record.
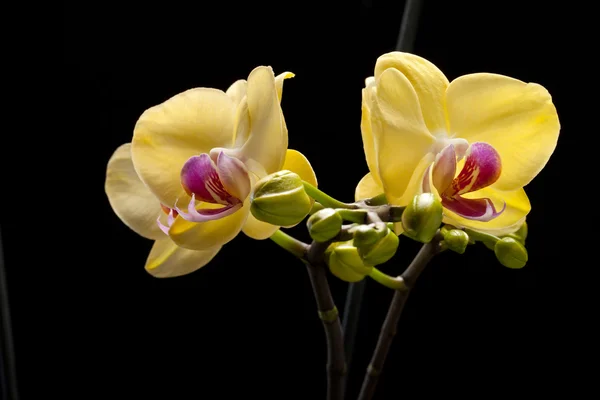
(246, 325)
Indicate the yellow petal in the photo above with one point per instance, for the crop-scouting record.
(517, 118)
(242, 119)
(279, 83)
(367, 188)
(415, 185)
(428, 82)
(367, 131)
(297, 163)
(241, 126)
(401, 137)
(204, 235)
(237, 91)
(268, 137)
(165, 136)
(258, 230)
(517, 208)
(167, 260)
(130, 199)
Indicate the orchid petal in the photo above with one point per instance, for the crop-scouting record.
(444, 168)
(167, 260)
(237, 91)
(401, 137)
(129, 198)
(415, 185)
(367, 131)
(429, 84)
(517, 208)
(518, 119)
(167, 135)
(367, 188)
(268, 137)
(279, 83)
(204, 235)
(234, 176)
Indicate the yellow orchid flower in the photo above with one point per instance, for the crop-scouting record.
(475, 142)
(204, 148)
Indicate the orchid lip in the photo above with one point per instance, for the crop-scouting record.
(481, 169)
(222, 180)
(170, 219)
(206, 214)
(196, 215)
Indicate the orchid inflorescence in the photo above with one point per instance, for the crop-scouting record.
(447, 163)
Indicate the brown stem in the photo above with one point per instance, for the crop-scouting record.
(388, 330)
(336, 364)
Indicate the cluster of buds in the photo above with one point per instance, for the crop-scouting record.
(358, 240)
(355, 248)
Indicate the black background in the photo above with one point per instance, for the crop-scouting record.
(246, 325)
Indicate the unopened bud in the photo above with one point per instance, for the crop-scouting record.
(324, 225)
(511, 253)
(366, 235)
(345, 262)
(422, 217)
(456, 240)
(279, 199)
(381, 251)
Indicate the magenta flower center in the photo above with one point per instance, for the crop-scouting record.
(481, 169)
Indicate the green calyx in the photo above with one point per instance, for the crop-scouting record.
(324, 225)
(279, 199)
(382, 250)
(511, 253)
(456, 240)
(345, 262)
(422, 217)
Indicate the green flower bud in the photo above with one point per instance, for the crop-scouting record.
(381, 251)
(446, 228)
(366, 235)
(422, 217)
(511, 253)
(324, 225)
(345, 262)
(279, 199)
(456, 240)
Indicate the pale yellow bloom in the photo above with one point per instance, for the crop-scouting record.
(202, 150)
(475, 141)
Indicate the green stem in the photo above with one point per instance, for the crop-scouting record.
(396, 283)
(377, 200)
(323, 198)
(356, 216)
(290, 244)
(316, 208)
(481, 236)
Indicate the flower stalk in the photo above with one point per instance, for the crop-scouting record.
(388, 330)
(313, 256)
